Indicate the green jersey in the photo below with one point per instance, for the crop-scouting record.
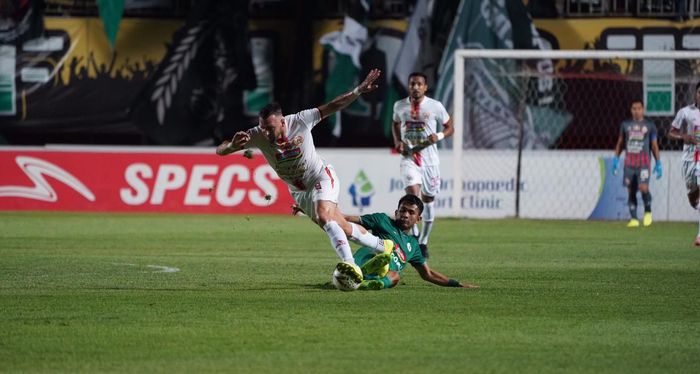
(384, 227)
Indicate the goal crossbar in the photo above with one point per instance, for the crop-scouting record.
(573, 54)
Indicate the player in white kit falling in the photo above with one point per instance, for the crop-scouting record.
(415, 123)
(686, 127)
(288, 146)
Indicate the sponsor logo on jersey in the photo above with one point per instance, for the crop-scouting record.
(415, 126)
(638, 135)
(289, 150)
(398, 257)
(400, 254)
(288, 155)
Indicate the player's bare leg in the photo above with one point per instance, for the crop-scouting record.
(428, 219)
(326, 213)
(361, 236)
(693, 197)
(632, 203)
(646, 198)
(414, 190)
(327, 219)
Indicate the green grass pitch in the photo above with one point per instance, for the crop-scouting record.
(91, 293)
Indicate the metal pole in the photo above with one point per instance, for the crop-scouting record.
(519, 160)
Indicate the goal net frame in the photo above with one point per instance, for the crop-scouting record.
(460, 56)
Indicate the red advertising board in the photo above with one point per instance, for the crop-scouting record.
(137, 180)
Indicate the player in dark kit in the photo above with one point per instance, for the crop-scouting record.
(639, 137)
(383, 270)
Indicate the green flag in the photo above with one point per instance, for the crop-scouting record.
(111, 12)
(343, 49)
(496, 95)
(411, 57)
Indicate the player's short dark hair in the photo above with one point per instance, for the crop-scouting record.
(270, 109)
(418, 74)
(412, 200)
(637, 100)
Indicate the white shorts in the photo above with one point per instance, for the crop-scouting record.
(327, 188)
(427, 176)
(689, 169)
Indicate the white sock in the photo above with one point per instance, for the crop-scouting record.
(415, 231)
(339, 241)
(366, 239)
(428, 218)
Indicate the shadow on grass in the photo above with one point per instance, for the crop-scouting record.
(321, 286)
(317, 286)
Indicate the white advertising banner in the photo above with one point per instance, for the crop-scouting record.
(554, 185)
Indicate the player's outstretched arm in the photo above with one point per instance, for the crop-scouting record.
(240, 139)
(676, 134)
(658, 169)
(618, 150)
(399, 145)
(619, 144)
(347, 98)
(435, 277)
(354, 219)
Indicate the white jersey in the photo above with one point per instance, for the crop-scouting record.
(419, 122)
(690, 117)
(294, 158)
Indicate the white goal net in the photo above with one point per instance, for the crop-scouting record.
(535, 131)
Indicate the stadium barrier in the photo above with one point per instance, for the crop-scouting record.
(187, 180)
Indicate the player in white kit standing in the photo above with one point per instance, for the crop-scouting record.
(288, 146)
(415, 123)
(686, 127)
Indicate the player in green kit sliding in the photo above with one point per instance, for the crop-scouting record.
(383, 270)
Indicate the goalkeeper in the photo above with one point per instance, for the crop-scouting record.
(638, 135)
(383, 270)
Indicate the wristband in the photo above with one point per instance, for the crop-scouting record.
(453, 283)
(440, 135)
(356, 92)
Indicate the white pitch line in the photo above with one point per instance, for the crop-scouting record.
(158, 268)
(163, 269)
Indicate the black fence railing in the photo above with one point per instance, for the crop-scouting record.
(672, 9)
(382, 9)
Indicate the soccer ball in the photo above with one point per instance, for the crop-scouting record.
(343, 282)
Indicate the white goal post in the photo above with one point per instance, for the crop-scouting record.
(643, 60)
